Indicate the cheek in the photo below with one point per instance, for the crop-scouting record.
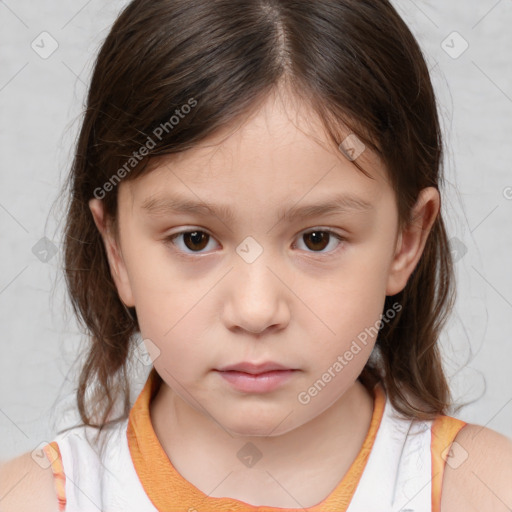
(161, 290)
(342, 314)
(150, 268)
(176, 325)
(350, 295)
(177, 364)
(171, 313)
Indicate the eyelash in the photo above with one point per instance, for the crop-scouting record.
(170, 240)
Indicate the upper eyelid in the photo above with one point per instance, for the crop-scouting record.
(204, 230)
(341, 238)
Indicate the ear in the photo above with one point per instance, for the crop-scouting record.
(114, 255)
(412, 239)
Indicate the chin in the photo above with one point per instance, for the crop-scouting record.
(260, 430)
(257, 424)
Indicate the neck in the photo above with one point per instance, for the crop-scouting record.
(205, 454)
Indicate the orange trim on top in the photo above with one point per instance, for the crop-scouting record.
(169, 490)
(444, 431)
(54, 456)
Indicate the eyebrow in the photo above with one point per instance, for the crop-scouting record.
(342, 203)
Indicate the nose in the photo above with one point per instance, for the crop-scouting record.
(257, 297)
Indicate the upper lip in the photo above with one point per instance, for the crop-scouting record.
(253, 368)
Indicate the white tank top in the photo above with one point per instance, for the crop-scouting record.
(397, 477)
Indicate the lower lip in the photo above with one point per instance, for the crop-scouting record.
(260, 383)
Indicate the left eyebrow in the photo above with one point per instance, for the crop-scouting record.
(343, 203)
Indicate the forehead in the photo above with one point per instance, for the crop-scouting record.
(280, 152)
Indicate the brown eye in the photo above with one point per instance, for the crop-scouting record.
(192, 241)
(195, 240)
(318, 240)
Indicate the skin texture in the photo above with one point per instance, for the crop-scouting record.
(297, 303)
(289, 305)
(480, 475)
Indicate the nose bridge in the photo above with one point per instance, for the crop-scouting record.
(253, 262)
(255, 293)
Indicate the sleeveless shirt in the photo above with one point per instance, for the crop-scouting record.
(399, 467)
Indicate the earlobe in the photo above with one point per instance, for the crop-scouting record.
(114, 255)
(412, 239)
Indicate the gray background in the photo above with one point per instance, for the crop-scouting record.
(41, 100)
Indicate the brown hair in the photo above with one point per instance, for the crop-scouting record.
(355, 62)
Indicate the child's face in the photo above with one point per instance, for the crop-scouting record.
(256, 288)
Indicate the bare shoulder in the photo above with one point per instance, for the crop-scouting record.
(478, 474)
(25, 486)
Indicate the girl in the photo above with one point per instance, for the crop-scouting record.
(255, 199)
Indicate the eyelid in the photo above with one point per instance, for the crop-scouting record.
(170, 239)
(324, 255)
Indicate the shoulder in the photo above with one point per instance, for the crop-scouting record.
(25, 486)
(479, 474)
